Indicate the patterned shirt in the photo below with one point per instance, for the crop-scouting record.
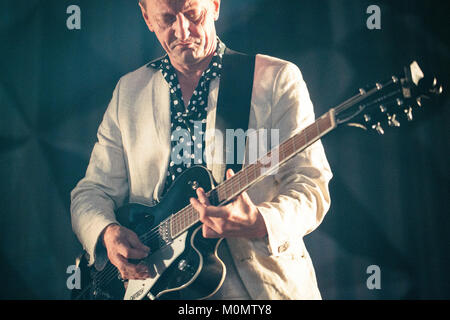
(188, 123)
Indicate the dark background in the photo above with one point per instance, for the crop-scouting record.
(390, 194)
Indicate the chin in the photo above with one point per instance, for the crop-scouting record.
(190, 57)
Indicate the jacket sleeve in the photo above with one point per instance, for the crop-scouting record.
(302, 198)
(104, 187)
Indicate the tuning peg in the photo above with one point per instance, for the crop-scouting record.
(377, 127)
(435, 88)
(399, 101)
(392, 120)
(382, 108)
(409, 114)
(419, 101)
(367, 118)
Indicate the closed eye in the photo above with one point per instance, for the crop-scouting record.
(194, 16)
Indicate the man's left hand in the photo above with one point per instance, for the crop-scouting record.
(239, 218)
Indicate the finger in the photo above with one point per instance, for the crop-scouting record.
(136, 243)
(202, 197)
(217, 212)
(131, 253)
(244, 198)
(197, 205)
(230, 173)
(207, 232)
(131, 271)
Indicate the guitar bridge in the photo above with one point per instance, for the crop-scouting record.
(164, 232)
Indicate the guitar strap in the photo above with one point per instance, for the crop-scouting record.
(233, 103)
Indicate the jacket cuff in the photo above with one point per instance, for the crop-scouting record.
(95, 248)
(100, 253)
(277, 240)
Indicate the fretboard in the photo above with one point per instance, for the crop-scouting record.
(253, 173)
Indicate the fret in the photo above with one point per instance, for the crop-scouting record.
(238, 181)
(173, 229)
(220, 193)
(177, 223)
(283, 150)
(230, 182)
(294, 142)
(320, 124)
(254, 172)
(290, 148)
(247, 177)
(182, 220)
(308, 134)
(227, 189)
(317, 127)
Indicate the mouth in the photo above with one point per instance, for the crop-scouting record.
(184, 44)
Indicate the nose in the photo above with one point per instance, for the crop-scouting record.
(181, 27)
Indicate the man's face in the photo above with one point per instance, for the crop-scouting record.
(185, 28)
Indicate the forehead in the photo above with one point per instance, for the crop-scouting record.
(174, 6)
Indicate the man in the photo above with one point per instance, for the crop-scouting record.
(264, 253)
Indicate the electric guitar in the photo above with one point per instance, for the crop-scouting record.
(187, 266)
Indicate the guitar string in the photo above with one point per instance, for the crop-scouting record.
(110, 271)
(351, 102)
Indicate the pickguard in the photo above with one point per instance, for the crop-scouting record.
(159, 261)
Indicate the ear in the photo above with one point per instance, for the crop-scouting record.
(146, 17)
(216, 7)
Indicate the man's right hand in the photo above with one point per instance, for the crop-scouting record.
(123, 244)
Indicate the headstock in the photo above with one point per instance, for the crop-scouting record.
(389, 104)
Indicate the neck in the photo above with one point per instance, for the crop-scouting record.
(191, 72)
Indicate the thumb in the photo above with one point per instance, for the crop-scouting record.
(230, 173)
(136, 243)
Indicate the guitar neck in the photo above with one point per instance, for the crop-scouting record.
(255, 172)
(384, 104)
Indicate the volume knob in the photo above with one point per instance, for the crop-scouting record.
(182, 265)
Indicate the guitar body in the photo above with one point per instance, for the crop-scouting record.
(186, 267)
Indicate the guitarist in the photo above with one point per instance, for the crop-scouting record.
(132, 160)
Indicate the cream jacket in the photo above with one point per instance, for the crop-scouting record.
(131, 158)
